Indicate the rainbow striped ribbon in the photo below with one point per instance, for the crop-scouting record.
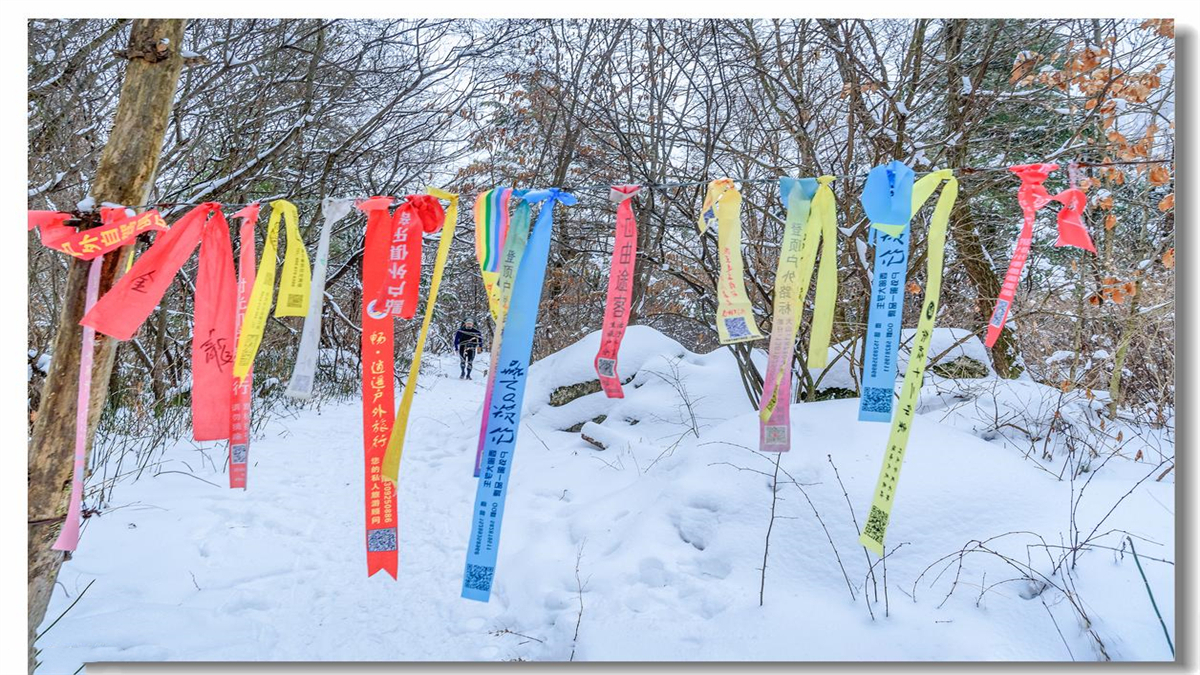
(491, 229)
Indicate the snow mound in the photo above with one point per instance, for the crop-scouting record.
(652, 548)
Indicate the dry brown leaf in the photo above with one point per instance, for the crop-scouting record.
(1168, 258)
(914, 287)
(1167, 203)
(1160, 175)
(1110, 221)
(1138, 456)
(1106, 203)
(1023, 66)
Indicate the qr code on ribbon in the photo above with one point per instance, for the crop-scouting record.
(876, 524)
(381, 540)
(877, 399)
(237, 453)
(998, 314)
(776, 434)
(736, 327)
(607, 367)
(295, 300)
(478, 577)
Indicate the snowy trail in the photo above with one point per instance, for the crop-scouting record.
(283, 560)
(666, 529)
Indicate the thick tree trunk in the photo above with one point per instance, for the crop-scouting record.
(125, 175)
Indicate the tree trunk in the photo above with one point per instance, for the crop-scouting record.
(967, 243)
(125, 175)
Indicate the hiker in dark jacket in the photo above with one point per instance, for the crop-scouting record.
(467, 341)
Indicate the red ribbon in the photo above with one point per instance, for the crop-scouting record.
(239, 432)
(117, 229)
(1032, 195)
(126, 307)
(397, 294)
(620, 290)
(378, 388)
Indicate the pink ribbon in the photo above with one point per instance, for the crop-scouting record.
(239, 418)
(620, 290)
(1032, 195)
(68, 538)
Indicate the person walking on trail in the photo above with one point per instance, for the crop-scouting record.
(467, 341)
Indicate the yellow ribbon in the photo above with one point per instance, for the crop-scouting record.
(395, 446)
(885, 488)
(735, 315)
(490, 279)
(821, 228)
(293, 286)
(492, 288)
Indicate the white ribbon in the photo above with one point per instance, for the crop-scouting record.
(303, 374)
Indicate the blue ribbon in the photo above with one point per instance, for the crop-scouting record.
(508, 393)
(802, 189)
(887, 200)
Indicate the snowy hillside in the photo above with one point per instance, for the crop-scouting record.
(651, 547)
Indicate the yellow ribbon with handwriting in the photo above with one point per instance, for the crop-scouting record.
(735, 315)
(885, 488)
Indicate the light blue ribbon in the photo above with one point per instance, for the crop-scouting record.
(508, 393)
(887, 200)
(802, 190)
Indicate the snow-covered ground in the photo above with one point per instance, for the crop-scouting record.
(653, 548)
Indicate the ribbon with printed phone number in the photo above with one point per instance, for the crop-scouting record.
(620, 290)
(510, 259)
(884, 495)
(504, 413)
(811, 222)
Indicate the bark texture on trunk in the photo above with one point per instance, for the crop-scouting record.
(125, 174)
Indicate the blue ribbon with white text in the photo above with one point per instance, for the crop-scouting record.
(887, 201)
(506, 398)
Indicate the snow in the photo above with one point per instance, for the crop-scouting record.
(88, 203)
(659, 538)
(945, 345)
(33, 192)
(43, 362)
(1060, 355)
